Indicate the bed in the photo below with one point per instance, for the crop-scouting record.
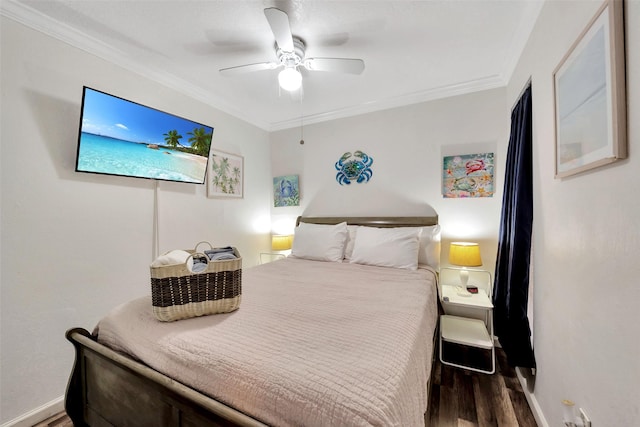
(352, 345)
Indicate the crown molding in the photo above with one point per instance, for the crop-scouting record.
(521, 37)
(34, 19)
(37, 21)
(463, 88)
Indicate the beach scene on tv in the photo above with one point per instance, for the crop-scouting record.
(120, 137)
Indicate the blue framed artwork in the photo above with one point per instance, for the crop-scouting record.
(469, 175)
(286, 191)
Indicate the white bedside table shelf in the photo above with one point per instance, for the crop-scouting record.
(468, 320)
(266, 257)
(464, 331)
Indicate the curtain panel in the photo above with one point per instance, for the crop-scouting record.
(510, 295)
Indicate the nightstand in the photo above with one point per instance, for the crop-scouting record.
(266, 257)
(468, 318)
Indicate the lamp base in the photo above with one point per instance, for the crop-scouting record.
(464, 277)
(464, 280)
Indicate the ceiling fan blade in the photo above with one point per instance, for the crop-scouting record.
(341, 65)
(241, 69)
(279, 22)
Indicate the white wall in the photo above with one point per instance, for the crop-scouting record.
(75, 245)
(586, 240)
(407, 145)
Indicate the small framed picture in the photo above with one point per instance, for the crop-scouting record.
(225, 177)
(468, 175)
(286, 191)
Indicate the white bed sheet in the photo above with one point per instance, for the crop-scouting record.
(312, 344)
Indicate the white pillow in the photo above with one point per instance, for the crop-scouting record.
(319, 242)
(429, 253)
(387, 247)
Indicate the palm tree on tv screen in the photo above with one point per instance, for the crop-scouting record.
(199, 140)
(172, 138)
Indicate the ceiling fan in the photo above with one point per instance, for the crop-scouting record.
(290, 51)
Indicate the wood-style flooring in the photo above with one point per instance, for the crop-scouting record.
(58, 420)
(458, 398)
(463, 398)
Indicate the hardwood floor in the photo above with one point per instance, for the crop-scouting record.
(58, 420)
(463, 398)
(458, 398)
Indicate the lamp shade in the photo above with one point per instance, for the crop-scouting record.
(465, 254)
(281, 242)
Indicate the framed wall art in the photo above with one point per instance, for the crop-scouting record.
(468, 175)
(286, 191)
(589, 86)
(225, 177)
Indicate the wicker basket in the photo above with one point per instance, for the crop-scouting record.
(179, 293)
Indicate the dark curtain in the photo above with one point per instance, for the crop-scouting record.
(511, 287)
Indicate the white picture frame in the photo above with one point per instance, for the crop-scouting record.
(225, 175)
(589, 90)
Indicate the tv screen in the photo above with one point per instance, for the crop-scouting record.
(120, 137)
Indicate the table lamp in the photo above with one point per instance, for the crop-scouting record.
(281, 242)
(464, 254)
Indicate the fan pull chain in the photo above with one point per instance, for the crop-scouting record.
(301, 120)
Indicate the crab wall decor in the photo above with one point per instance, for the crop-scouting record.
(286, 191)
(356, 166)
(468, 175)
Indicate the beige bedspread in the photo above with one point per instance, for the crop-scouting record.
(313, 344)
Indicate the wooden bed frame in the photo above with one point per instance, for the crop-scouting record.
(107, 388)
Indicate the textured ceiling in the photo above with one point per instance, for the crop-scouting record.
(413, 50)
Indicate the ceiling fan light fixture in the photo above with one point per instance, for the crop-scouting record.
(290, 79)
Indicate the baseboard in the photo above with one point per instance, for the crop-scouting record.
(531, 400)
(37, 415)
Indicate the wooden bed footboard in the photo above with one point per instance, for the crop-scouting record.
(107, 388)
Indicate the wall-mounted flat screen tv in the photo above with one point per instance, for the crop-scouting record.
(120, 137)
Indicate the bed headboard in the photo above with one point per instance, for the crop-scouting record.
(378, 221)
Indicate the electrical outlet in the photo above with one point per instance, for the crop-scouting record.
(586, 422)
